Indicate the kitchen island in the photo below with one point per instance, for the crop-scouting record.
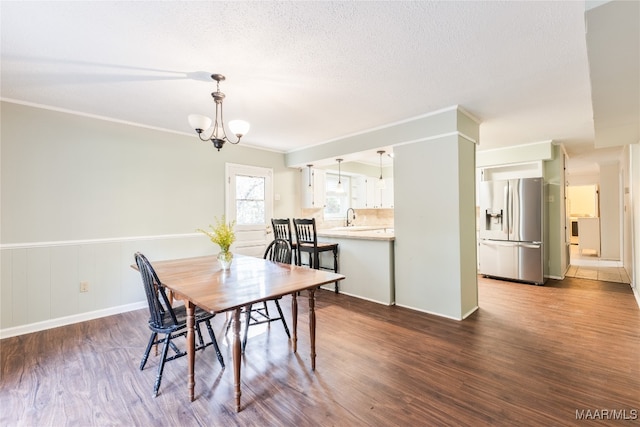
(366, 259)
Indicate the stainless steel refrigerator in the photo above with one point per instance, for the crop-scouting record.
(511, 229)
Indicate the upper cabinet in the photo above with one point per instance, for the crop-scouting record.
(386, 194)
(372, 200)
(313, 188)
(359, 192)
(365, 193)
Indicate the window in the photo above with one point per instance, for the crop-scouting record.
(336, 204)
(250, 202)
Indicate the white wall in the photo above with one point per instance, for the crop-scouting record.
(416, 129)
(634, 233)
(79, 198)
(513, 155)
(556, 259)
(610, 204)
(583, 200)
(627, 211)
(435, 227)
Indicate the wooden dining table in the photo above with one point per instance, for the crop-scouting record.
(201, 282)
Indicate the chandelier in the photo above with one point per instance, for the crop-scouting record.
(218, 134)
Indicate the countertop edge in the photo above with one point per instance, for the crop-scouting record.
(356, 235)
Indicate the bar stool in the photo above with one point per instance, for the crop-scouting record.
(282, 230)
(307, 241)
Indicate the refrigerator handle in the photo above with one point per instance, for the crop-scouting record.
(510, 210)
(534, 245)
(506, 219)
(497, 243)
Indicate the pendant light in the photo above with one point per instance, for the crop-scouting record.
(380, 184)
(339, 187)
(309, 187)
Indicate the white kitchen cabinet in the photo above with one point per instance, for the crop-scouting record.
(359, 192)
(365, 193)
(386, 194)
(371, 201)
(313, 197)
(382, 197)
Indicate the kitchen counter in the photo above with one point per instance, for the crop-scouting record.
(366, 258)
(364, 232)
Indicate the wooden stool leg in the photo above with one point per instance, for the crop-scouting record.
(335, 266)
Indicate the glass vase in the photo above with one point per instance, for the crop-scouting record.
(225, 258)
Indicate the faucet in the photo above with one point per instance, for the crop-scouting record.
(350, 222)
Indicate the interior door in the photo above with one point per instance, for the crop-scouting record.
(249, 202)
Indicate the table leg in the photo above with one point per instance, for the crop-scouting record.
(312, 327)
(191, 353)
(237, 354)
(294, 315)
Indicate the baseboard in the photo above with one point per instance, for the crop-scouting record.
(68, 320)
(359, 297)
(595, 263)
(432, 312)
(470, 312)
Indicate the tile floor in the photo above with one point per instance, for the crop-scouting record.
(587, 266)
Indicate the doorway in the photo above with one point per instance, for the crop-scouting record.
(584, 219)
(249, 202)
(583, 209)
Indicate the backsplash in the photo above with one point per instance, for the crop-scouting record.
(382, 217)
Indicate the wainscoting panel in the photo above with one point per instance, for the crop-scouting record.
(40, 286)
(64, 289)
(38, 302)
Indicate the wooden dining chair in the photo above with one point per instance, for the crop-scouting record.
(282, 230)
(279, 250)
(307, 242)
(168, 321)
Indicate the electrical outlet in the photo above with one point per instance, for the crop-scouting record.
(84, 286)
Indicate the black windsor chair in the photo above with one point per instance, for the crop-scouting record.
(279, 250)
(168, 321)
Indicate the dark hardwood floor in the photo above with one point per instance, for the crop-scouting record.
(532, 355)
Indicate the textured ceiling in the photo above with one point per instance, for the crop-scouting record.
(307, 72)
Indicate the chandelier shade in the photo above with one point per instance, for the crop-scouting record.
(199, 122)
(218, 135)
(239, 127)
